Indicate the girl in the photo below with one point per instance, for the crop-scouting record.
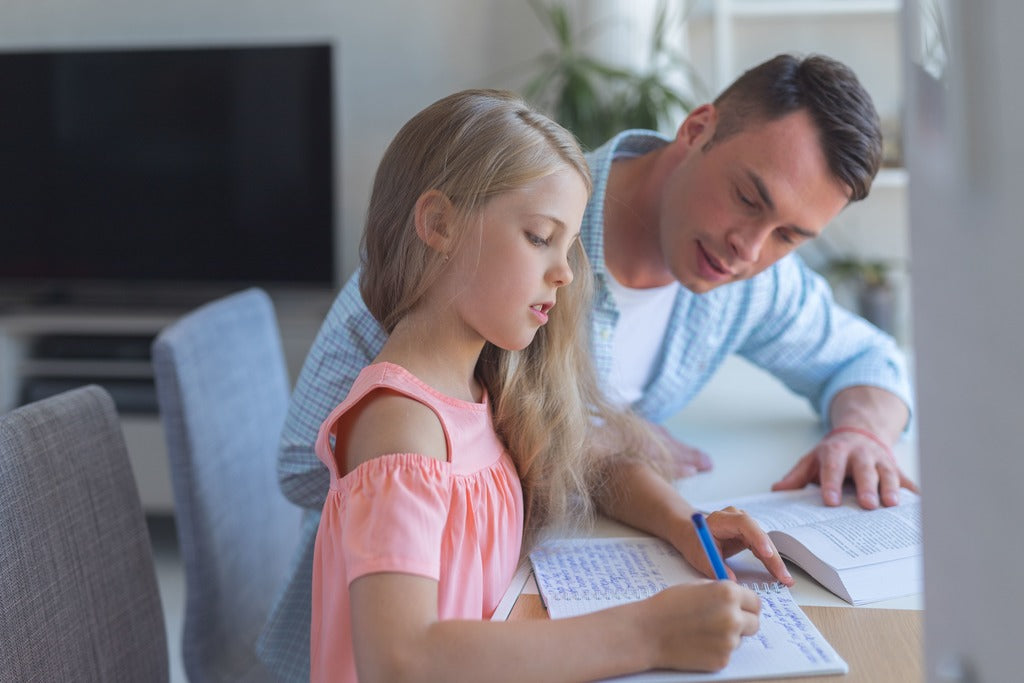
(467, 432)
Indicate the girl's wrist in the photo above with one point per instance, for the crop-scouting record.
(685, 538)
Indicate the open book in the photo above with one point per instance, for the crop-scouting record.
(860, 555)
(581, 575)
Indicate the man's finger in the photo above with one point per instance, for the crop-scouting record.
(803, 472)
(888, 484)
(682, 471)
(908, 483)
(864, 471)
(831, 473)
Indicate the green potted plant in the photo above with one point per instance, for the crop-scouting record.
(595, 99)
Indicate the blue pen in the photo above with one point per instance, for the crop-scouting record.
(709, 546)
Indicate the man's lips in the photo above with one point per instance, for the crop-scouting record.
(710, 266)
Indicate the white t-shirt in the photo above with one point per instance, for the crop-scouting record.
(643, 318)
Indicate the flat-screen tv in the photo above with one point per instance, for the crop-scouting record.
(173, 168)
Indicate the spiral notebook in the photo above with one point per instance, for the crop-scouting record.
(577, 576)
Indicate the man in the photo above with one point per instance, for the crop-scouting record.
(691, 242)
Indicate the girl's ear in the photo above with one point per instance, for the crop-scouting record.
(432, 215)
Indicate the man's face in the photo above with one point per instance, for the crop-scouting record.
(730, 210)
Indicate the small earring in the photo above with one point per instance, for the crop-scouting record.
(445, 258)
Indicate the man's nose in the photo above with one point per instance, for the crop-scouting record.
(747, 241)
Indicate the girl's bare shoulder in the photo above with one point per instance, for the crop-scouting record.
(386, 422)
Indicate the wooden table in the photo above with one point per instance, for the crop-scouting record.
(755, 430)
(880, 645)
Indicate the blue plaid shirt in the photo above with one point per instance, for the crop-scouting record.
(783, 320)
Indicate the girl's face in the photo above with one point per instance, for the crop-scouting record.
(505, 276)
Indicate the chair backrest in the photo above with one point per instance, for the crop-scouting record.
(79, 599)
(223, 390)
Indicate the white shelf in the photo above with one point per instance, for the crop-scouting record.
(791, 8)
(88, 368)
(890, 178)
(32, 323)
(728, 16)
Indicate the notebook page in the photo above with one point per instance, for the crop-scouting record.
(576, 576)
(581, 575)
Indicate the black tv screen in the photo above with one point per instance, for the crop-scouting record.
(177, 165)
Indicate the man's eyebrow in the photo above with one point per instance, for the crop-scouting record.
(766, 197)
(803, 232)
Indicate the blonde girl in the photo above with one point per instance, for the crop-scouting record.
(468, 432)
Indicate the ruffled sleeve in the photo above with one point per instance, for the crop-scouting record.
(389, 515)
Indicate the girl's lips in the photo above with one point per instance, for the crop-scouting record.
(541, 311)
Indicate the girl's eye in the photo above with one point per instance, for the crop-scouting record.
(537, 240)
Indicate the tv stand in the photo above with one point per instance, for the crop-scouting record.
(112, 297)
(51, 347)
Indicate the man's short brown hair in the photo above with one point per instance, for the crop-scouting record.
(842, 110)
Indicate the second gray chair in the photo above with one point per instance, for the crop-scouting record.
(223, 391)
(78, 592)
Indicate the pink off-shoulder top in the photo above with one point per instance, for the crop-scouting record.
(458, 522)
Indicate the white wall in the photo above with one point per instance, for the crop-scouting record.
(965, 158)
(396, 56)
(393, 58)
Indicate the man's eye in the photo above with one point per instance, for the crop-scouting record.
(785, 235)
(746, 201)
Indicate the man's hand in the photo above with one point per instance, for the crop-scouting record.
(685, 461)
(867, 420)
(847, 454)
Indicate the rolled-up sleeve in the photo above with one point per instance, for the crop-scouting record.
(817, 348)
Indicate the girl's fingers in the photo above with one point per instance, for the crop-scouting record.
(739, 531)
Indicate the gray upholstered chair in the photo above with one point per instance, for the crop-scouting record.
(223, 390)
(78, 592)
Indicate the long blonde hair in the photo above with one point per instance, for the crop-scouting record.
(472, 146)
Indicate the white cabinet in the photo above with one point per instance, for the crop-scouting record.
(48, 349)
(741, 25)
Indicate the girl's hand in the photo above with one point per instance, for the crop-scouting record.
(735, 531)
(696, 626)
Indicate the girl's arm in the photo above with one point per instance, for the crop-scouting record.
(398, 637)
(642, 498)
